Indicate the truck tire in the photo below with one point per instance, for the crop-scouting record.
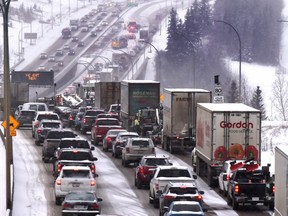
(234, 204)
(229, 201)
(57, 200)
(198, 166)
(155, 202)
(209, 177)
(271, 206)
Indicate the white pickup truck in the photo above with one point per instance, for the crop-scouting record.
(165, 174)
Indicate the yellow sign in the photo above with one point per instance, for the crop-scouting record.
(162, 97)
(14, 124)
(12, 132)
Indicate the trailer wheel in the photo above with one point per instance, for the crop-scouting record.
(198, 166)
(209, 177)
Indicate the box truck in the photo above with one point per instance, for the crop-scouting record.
(179, 117)
(136, 94)
(225, 131)
(281, 179)
(106, 93)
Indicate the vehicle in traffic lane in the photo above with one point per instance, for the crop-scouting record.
(25, 117)
(120, 142)
(110, 137)
(187, 208)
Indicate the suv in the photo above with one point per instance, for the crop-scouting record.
(178, 191)
(40, 115)
(59, 52)
(43, 55)
(110, 137)
(135, 149)
(73, 178)
(89, 119)
(145, 170)
(77, 142)
(45, 126)
(120, 142)
(52, 141)
(25, 117)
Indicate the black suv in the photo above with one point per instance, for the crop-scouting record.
(176, 192)
(44, 127)
(89, 119)
(25, 117)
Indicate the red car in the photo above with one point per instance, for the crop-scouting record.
(145, 170)
(110, 137)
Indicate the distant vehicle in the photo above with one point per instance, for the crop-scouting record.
(91, 24)
(99, 28)
(66, 46)
(25, 118)
(119, 42)
(41, 68)
(43, 55)
(132, 3)
(51, 59)
(132, 26)
(60, 63)
(80, 44)
(110, 137)
(59, 52)
(74, 24)
(104, 23)
(71, 52)
(84, 29)
(93, 34)
(66, 33)
(144, 34)
(185, 208)
(120, 142)
(75, 39)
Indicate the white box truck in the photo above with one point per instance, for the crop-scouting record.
(179, 117)
(281, 179)
(225, 131)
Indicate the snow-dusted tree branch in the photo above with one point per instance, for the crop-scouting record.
(280, 93)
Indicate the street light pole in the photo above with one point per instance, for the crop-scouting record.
(240, 54)
(7, 102)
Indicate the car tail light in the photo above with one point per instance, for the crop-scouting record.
(36, 123)
(92, 183)
(177, 137)
(228, 177)
(236, 189)
(79, 118)
(66, 206)
(70, 117)
(108, 139)
(94, 206)
(39, 131)
(157, 186)
(168, 197)
(141, 170)
(58, 182)
(93, 169)
(84, 120)
(127, 150)
(273, 188)
(153, 150)
(59, 166)
(199, 197)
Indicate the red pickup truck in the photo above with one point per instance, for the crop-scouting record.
(100, 128)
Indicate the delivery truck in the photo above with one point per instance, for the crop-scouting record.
(106, 93)
(136, 94)
(225, 131)
(179, 117)
(281, 179)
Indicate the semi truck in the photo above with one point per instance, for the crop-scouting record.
(225, 131)
(281, 178)
(136, 94)
(107, 93)
(179, 117)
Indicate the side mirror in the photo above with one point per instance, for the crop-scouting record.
(99, 199)
(195, 176)
(92, 148)
(95, 158)
(171, 163)
(201, 192)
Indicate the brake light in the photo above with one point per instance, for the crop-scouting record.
(70, 117)
(127, 150)
(84, 121)
(168, 197)
(94, 206)
(141, 170)
(59, 166)
(273, 189)
(108, 139)
(199, 197)
(228, 177)
(36, 123)
(177, 137)
(79, 118)
(66, 206)
(236, 189)
(93, 169)
(75, 151)
(92, 183)
(58, 182)
(39, 131)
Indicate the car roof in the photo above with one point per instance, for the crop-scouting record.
(77, 149)
(128, 133)
(172, 167)
(140, 138)
(186, 202)
(156, 156)
(107, 119)
(75, 167)
(76, 138)
(50, 120)
(45, 112)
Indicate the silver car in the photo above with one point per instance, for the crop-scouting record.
(135, 149)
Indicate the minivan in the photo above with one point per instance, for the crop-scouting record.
(37, 106)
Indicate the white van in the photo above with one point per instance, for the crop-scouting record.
(37, 106)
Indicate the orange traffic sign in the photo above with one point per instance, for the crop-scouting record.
(12, 132)
(162, 97)
(14, 124)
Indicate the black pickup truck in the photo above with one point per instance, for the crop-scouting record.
(74, 157)
(248, 186)
(89, 119)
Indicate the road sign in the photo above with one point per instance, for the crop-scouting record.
(218, 99)
(218, 90)
(12, 132)
(14, 124)
(161, 97)
(30, 35)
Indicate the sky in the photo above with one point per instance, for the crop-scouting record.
(273, 133)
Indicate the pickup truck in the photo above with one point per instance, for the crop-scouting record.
(88, 119)
(166, 174)
(249, 186)
(52, 140)
(100, 128)
(74, 157)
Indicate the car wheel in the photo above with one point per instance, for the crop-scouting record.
(126, 163)
(155, 202)
(113, 154)
(150, 200)
(37, 143)
(271, 206)
(57, 200)
(139, 184)
(234, 204)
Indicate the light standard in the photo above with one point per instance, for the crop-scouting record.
(159, 75)
(20, 41)
(240, 54)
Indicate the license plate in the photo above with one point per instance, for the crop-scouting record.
(80, 207)
(255, 198)
(75, 185)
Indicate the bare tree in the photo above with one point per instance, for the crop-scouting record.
(246, 91)
(280, 96)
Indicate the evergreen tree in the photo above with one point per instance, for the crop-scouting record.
(233, 93)
(257, 102)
